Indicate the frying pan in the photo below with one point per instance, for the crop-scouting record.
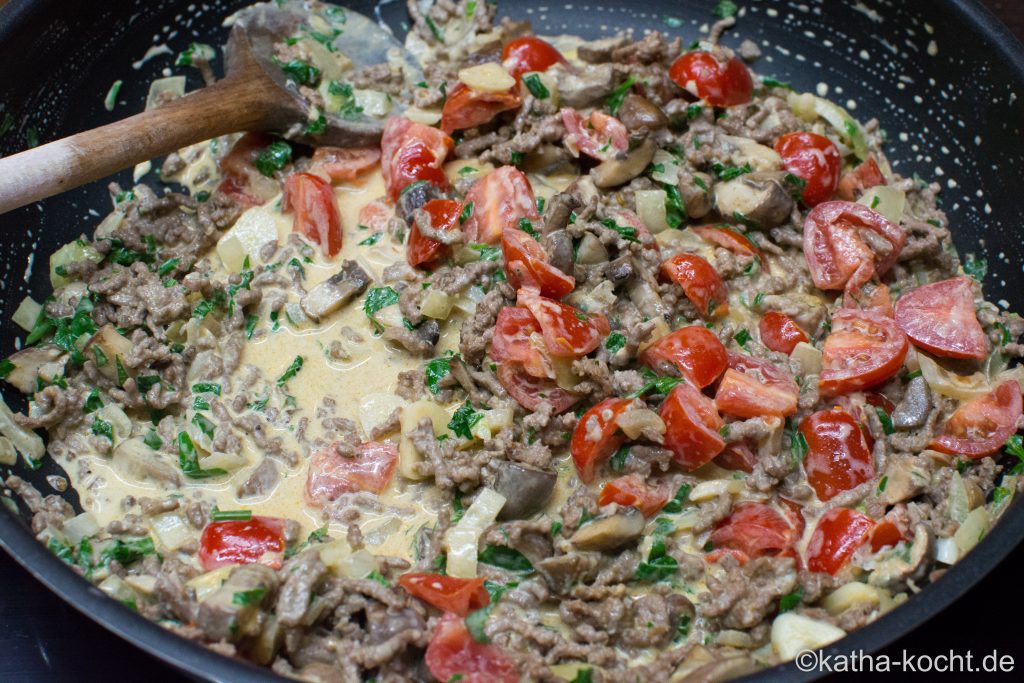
(945, 78)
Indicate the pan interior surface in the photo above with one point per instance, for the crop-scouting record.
(945, 80)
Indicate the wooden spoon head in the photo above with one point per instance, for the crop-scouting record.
(342, 42)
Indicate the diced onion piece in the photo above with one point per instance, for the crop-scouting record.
(144, 583)
(373, 102)
(849, 128)
(171, 531)
(333, 553)
(408, 456)
(72, 252)
(850, 595)
(498, 419)
(253, 230)
(25, 441)
(634, 422)
(682, 240)
(121, 423)
(570, 671)
(437, 305)
(959, 506)
(666, 167)
(224, 461)
(463, 539)
(793, 633)
(944, 382)
(359, 564)
(808, 357)
(332, 65)
(113, 346)
(27, 314)
(886, 200)
(427, 117)
(946, 551)
(972, 530)
(706, 490)
(659, 330)
(487, 77)
(376, 408)
(109, 225)
(650, 207)
(564, 376)
(81, 526)
(208, 583)
(115, 587)
(802, 105)
(164, 90)
(8, 456)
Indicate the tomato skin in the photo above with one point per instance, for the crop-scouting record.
(752, 387)
(873, 297)
(838, 457)
(600, 421)
(737, 456)
(331, 474)
(424, 251)
(342, 163)
(692, 425)
(695, 350)
(517, 339)
(700, 282)
(981, 426)
(375, 216)
(756, 530)
(940, 317)
(632, 491)
(529, 53)
(837, 256)
(780, 333)
(839, 533)
(531, 391)
(316, 210)
(567, 332)
(885, 534)
(256, 540)
(501, 199)
(865, 348)
(526, 266)
(466, 107)
(599, 137)
(446, 593)
(452, 651)
(727, 239)
(814, 158)
(865, 176)
(718, 84)
(410, 152)
(238, 192)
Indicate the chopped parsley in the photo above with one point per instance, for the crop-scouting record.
(618, 460)
(975, 267)
(102, 428)
(218, 515)
(252, 596)
(659, 565)
(791, 601)
(615, 342)
(276, 155)
(882, 483)
(1015, 448)
(678, 501)
(371, 240)
(693, 111)
(206, 388)
(93, 402)
(291, 371)
(251, 321)
(536, 86)
(798, 445)
(376, 299)
(526, 226)
(486, 251)
(660, 385)
(300, 71)
(436, 370)
(675, 208)
(615, 100)
(467, 211)
(345, 99)
(742, 337)
(770, 82)
(463, 421)
(153, 440)
(508, 559)
(188, 459)
(886, 421)
(726, 173)
(627, 232)
(6, 368)
(204, 425)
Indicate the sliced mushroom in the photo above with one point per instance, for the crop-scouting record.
(694, 189)
(755, 197)
(558, 210)
(336, 291)
(414, 197)
(721, 670)
(233, 610)
(137, 461)
(526, 489)
(639, 112)
(596, 51)
(609, 533)
(901, 564)
(558, 245)
(28, 363)
(617, 171)
(905, 477)
(912, 411)
(563, 572)
(591, 251)
(582, 88)
(620, 270)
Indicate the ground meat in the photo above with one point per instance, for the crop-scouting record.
(48, 511)
(743, 596)
(262, 480)
(478, 329)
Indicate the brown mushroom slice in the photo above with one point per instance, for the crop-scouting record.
(639, 112)
(609, 533)
(905, 477)
(562, 572)
(591, 251)
(900, 565)
(912, 411)
(336, 291)
(582, 88)
(558, 245)
(754, 197)
(233, 610)
(618, 171)
(28, 365)
(526, 489)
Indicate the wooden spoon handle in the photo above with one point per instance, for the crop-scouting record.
(236, 103)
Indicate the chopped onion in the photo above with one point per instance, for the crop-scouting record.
(437, 305)
(144, 583)
(373, 102)
(944, 382)
(793, 633)
(849, 595)
(224, 461)
(886, 200)
(72, 252)
(109, 225)
(115, 587)
(972, 530)
(8, 456)
(359, 564)
(634, 422)
(207, 584)
(706, 490)
(408, 456)
(463, 539)
(802, 105)
(666, 167)
(487, 77)
(81, 526)
(376, 408)
(848, 127)
(253, 230)
(959, 506)
(808, 357)
(760, 157)
(427, 117)
(27, 314)
(650, 207)
(946, 551)
(25, 441)
(171, 531)
(173, 86)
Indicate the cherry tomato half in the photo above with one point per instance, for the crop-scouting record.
(701, 283)
(600, 137)
(981, 426)
(756, 530)
(343, 163)
(526, 266)
(454, 654)
(695, 351)
(865, 176)
(816, 160)
(631, 490)
(780, 333)
(255, 540)
(316, 211)
(568, 332)
(332, 474)
(530, 391)
(752, 387)
(500, 200)
(717, 83)
(864, 348)
(467, 107)
(838, 458)
(597, 436)
(839, 533)
(411, 152)
(692, 425)
(727, 238)
(424, 251)
(940, 318)
(529, 53)
(517, 339)
(446, 593)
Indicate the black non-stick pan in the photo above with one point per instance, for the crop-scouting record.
(945, 79)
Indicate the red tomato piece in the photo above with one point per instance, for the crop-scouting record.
(780, 333)
(259, 540)
(815, 159)
(517, 339)
(737, 456)
(719, 84)
(526, 266)
(837, 253)
(238, 192)
(885, 534)
(873, 296)
(466, 107)
(238, 163)
(866, 175)
(453, 652)
(756, 530)
(632, 491)
(501, 199)
(343, 163)
(375, 216)
(940, 318)
(838, 458)
(727, 238)
(839, 533)
(980, 427)
(332, 474)
(316, 210)
(601, 137)
(411, 152)
(567, 331)
(752, 387)
(427, 252)
(695, 351)
(864, 348)
(692, 425)
(597, 436)
(529, 53)
(446, 593)
(531, 391)
(700, 282)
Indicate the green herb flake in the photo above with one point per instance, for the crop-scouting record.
(111, 98)
(253, 596)
(798, 445)
(251, 321)
(727, 173)
(536, 86)
(300, 71)
(436, 370)
(678, 501)
(371, 240)
(791, 601)
(275, 157)
(742, 337)
(617, 462)
(659, 566)
(376, 299)
(467, 211)
(693, 111)
(218, 515)
(206, 388)
(188, 459)
(6, 368)
(615, 342)
(291, 371)
(486, 251)
(1015, 448)
(886, 421)
(627, 232)
(975, 267)
(463, 420)
(675, 208)
(615, 99)
(102, 428)
(770, 82)
(882, 483)
(508, 559)
(153, 440)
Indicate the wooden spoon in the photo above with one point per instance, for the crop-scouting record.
(256, 94)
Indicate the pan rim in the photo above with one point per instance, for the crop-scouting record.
(202, 663)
